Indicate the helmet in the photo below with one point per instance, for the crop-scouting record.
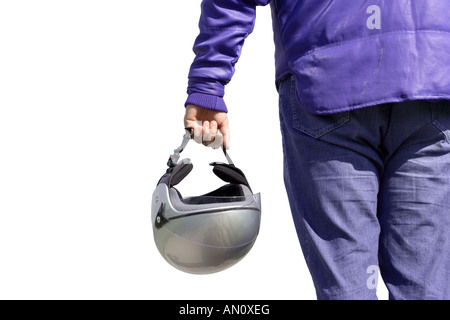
(208, 233)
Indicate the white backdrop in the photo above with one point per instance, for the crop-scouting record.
(91, 106)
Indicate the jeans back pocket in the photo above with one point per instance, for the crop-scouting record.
(314, 125)
(318, 125)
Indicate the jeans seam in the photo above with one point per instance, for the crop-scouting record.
(388, 123)
(292, 98)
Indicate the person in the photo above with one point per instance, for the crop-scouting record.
(364, 108)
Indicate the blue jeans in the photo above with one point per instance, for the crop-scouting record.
(369, 190)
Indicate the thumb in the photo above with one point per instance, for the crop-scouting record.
(225, 130)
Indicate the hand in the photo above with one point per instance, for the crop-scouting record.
(210, 127)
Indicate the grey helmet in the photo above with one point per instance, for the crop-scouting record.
(208, 233)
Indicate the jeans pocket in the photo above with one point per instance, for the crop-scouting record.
(440, 113)
(317, 126)
(294, 114)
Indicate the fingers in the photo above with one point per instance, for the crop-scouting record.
(225, 130)
(207, 130)
(211, 137)
(198, 129)
(213, 131)
(207, 133)
(218, 140)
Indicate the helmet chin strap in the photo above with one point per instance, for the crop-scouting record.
(227, 156)
(188, 135)
(173, 159)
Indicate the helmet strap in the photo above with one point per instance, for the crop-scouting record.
(188, 135)
(173, 159)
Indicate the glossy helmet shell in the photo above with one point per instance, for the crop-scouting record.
(208, 233)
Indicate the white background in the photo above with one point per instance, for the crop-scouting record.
(91, 106)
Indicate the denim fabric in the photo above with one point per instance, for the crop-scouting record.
(370, 188)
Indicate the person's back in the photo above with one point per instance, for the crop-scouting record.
(365, 114)
(344, 54)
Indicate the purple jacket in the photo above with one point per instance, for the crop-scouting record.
(345, 54)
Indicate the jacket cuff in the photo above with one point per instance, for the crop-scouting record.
(206, 101)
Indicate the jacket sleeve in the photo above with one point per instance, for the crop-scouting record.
(224, 25)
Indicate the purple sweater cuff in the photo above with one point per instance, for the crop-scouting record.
(207, 101)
